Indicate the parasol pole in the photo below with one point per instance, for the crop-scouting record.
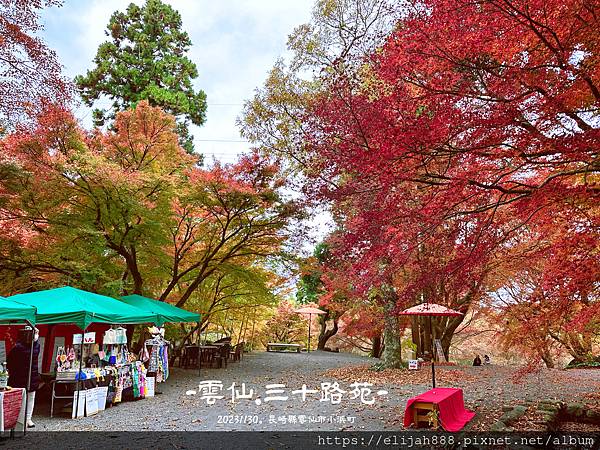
(432, 354)
(309, 321)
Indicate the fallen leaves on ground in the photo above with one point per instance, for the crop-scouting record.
(363, 373)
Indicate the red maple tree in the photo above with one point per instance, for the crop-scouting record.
(475, 125)
(30, 74)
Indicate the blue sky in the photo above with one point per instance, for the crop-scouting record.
(235, 43)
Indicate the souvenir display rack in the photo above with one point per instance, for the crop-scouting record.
(121, 371)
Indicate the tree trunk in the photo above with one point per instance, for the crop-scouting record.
(392, 353)
(580, 346)
(547, 358)
(416, 336)
(449, 329)
(376, 347)
(325, 334)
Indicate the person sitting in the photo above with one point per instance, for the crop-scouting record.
(487, 360)
(477, 361)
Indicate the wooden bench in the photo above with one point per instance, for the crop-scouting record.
(280, 347)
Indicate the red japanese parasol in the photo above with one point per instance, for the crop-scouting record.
(310, 310)
(430, 309)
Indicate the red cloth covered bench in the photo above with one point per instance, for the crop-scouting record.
(449, 404)
(12, 402)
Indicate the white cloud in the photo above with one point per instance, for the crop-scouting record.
(235, 43)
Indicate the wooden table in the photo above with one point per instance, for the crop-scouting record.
(207, 353)
(189, 357)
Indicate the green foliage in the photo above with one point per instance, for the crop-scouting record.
(310, 286)
(146, 60)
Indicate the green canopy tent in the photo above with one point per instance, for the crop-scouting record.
(81, 308)
(166, 312)
(12, 312)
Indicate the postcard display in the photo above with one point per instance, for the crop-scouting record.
(111, 373)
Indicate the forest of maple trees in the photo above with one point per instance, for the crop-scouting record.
(455, 148)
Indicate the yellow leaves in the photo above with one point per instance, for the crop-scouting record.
(327, 7)
(371, 85)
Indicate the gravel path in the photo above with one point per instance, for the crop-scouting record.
(176, 410)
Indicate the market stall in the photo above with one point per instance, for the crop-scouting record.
(97, 362)
(14, 401)
(99, 374)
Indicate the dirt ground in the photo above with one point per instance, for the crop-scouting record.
(486, 390)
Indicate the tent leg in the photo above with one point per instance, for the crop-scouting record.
(199, 353)
(80, 372)
(28, 378)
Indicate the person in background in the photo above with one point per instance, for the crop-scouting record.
(487, 360)
(18, 367)
(477, 361)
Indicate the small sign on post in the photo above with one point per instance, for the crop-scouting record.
(413, 364)
(88, 338)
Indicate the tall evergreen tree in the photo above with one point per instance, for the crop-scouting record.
(145, 59)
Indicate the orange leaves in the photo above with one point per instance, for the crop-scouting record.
(145, 139)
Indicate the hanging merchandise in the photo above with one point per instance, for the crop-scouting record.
(119, 389)
(164, 356)
(71, 355)
(112, 358)
(61, 359)
(110, 336)
(145, 356)
(121, 335)
(158, 362)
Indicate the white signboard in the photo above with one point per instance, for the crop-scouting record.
(413, 364)
(101, 393)
(88, 338)
(150, 384)
(91, 402)
(79, 398)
